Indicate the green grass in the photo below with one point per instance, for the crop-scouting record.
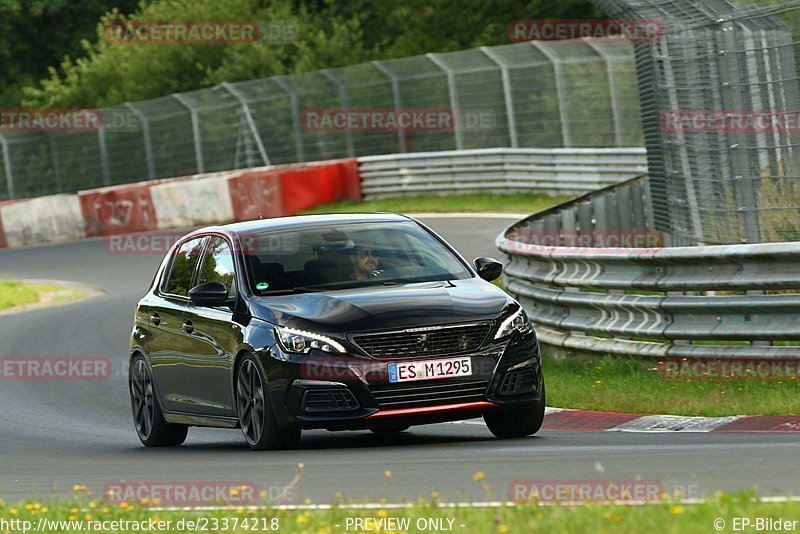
(664, 517)
(521, 203)
(620, 384)
(14, 293)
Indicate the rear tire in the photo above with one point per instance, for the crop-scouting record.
(517, 422)
(254, 408)
(148, 419)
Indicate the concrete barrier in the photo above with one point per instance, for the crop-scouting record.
(3, 241)
(42, 220)
(118, 210)
(192, 202)
(255, 195)
(179, 202)
(306, 187)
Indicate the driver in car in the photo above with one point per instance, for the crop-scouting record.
(365, 262)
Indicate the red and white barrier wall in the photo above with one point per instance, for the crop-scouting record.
(178, 202)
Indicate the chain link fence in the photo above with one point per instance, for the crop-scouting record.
(721, 115)
(544, 94)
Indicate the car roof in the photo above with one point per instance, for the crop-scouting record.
(300, 221)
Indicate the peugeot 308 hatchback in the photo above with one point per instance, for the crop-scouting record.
(339, 322)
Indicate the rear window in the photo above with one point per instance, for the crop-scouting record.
(183, 268)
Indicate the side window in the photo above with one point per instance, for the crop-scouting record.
(218, 264)
(183, 267)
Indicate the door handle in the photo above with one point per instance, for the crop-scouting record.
(155, 319)
(188, 327)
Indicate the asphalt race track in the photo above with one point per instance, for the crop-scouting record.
(57, 434)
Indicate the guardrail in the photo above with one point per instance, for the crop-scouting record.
(506, 170)
(586, 293)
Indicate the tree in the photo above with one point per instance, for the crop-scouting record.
(111, 73)
(332, 33)
(35, 34)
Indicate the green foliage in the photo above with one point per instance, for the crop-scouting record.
(400, 28)
(35, 34)
(331, 33)
(111, 73)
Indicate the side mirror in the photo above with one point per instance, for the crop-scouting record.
(209, 294)
(488, 268)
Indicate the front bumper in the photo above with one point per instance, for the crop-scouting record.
(343, 392)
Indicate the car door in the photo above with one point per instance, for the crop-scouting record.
(167, 317)
(207, 367)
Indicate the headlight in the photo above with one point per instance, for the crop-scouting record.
(301, 342)
(518, 321)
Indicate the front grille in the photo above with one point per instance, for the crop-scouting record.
(428, 393)
(329, 400)
(439, 342)
(518, 382)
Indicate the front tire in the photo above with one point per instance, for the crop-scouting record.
(254, 407)
(517, 421)
(148, 419)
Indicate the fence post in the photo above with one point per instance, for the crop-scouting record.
(298, 135)
(454, 103)
(148, 145)
(249, 118)
(560, 93)
(398, 104)
(612, 91)
(7, 166)
(511, 119)
(101, 142)
(198, 147)
(56, 160)
(695, 221)
(345, 105)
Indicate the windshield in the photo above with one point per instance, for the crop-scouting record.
(347, 255)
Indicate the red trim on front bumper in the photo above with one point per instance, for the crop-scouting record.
(426, 410)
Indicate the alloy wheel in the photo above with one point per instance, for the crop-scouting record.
(250, 401)
(143, 401)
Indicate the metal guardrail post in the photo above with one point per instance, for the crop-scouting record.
(7, 166)
(148, 145)
(298, 134)
(511, 119)
(344, 101)
(612, 90)
(560, 93)
(198, 146)
(398, 104)
(249, 118)
(101, 143)
(454, 102)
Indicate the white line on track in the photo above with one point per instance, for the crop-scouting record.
(485, 504)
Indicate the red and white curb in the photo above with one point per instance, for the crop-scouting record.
(566, 419)
(592, 421)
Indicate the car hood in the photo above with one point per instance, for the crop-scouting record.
(384, 307)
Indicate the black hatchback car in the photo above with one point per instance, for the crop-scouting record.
(339, 322)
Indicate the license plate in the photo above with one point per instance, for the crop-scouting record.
(429, 369)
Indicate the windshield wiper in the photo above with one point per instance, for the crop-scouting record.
(291, 291)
